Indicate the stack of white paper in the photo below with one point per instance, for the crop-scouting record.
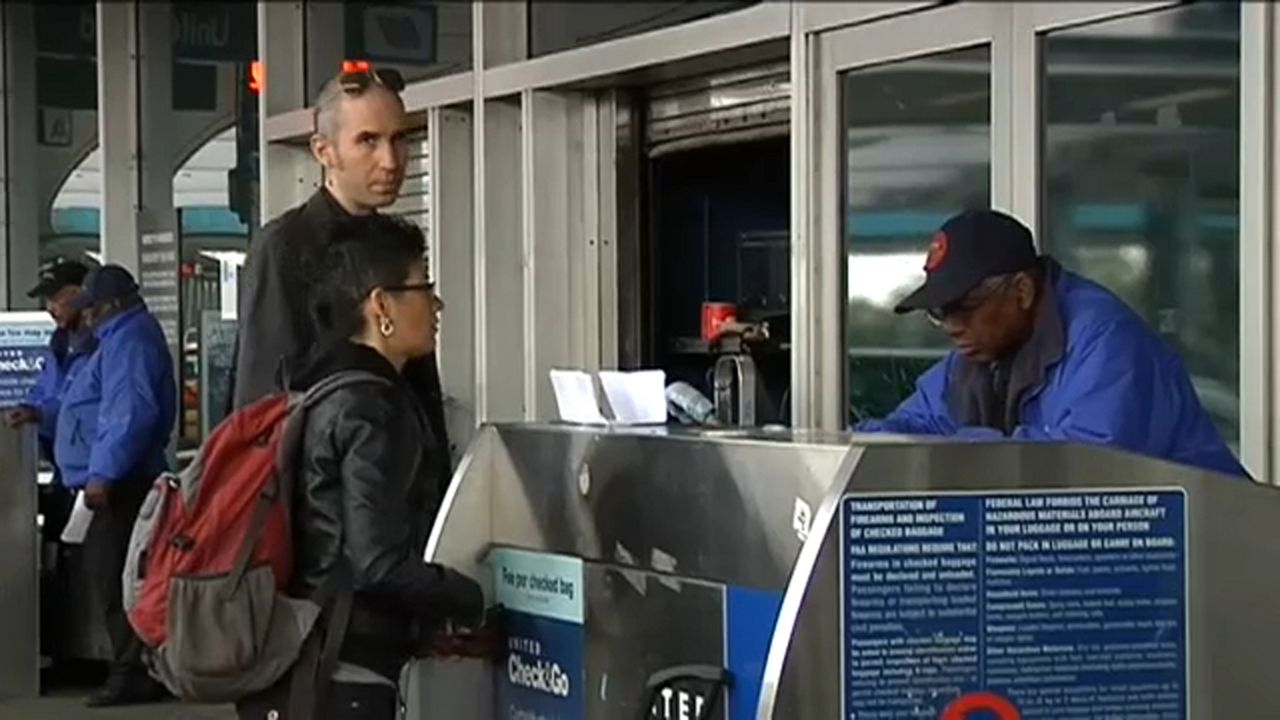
(632, 398)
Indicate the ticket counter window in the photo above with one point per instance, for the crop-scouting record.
(917, 149)
(1142, 171)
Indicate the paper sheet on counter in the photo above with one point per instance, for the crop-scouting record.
(575, 393)
(637, 397)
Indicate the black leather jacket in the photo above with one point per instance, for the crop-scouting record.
(370, 481)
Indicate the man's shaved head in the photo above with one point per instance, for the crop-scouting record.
(360, 141)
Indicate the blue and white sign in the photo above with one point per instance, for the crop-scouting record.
(24, 347)
(1058, 604)
(543, 675)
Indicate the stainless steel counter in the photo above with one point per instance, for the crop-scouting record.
(19, 588)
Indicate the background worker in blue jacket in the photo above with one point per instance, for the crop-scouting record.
(1044, 354)
(113, 432)
(69, 347)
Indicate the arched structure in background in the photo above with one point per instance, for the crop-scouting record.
(199, 191)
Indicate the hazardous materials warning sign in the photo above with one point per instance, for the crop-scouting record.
(1032, 605)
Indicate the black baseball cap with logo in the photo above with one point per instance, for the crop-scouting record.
(967, 249)
(55, 277)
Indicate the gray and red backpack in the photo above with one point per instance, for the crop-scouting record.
(211, 557)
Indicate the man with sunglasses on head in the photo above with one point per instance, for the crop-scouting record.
(1044, 354)
(360, 141)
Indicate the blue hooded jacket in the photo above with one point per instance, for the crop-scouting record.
(118, 413)
(1099, 375)
(68, 351)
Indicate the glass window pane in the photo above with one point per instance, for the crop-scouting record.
(423, 39)
(556, 25)
(917, 149)
(1142, 164)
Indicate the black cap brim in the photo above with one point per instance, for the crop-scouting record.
(46, 288)
(934, 293)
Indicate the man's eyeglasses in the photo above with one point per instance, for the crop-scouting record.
(971, 301)
(356, 82)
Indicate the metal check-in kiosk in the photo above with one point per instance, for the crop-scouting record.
(823, 576)
(19, 588)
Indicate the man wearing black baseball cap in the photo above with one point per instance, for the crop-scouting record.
(69, 346)
(113, 432)
(1044, 354)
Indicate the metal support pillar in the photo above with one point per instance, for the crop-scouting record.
(449, 133)
(158, 251)
(288, 172)
(502, 260)
(566, 211)
(20, 227)
(118, 130)
(1258, 181)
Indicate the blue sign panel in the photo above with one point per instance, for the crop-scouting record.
(24, 348)
(1055, 605)
(749, 621)
(542, 676)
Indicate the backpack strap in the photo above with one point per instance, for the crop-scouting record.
(262, 510)
(338, 381)
(309, 684)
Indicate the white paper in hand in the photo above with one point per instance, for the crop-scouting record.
(576, 397)
(636, 397)
(78, 524)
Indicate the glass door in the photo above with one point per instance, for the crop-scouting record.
(908, 103)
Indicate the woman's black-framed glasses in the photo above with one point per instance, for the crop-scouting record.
(427, 287)
(356, 82)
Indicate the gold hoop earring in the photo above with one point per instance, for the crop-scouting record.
(386, 327)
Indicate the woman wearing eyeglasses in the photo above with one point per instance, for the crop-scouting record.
(369, 480)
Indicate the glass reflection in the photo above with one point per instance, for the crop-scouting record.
(1142, 166)
(917, 149)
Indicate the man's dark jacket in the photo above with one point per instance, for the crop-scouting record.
(276, 329)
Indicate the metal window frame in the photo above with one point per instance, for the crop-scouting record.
(478, 202)
(1264, 434)
(759, 23)
(814, 16)
(1259, 267)
(900, 38)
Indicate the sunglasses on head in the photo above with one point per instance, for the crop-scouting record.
(356, 82)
